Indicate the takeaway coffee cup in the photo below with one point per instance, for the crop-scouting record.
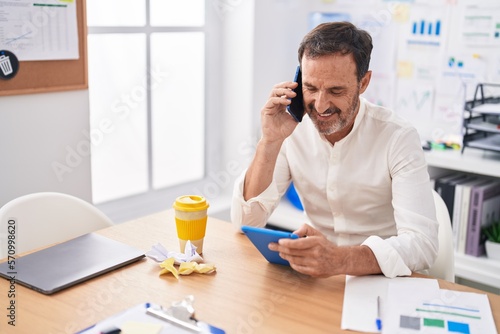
(191, 220)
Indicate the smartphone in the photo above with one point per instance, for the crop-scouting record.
(261, 237)
(296, 108)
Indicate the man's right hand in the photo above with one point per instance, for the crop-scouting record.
(277, 123)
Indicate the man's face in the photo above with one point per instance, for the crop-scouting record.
(331, 93)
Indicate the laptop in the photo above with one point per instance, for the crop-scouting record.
(69, 263)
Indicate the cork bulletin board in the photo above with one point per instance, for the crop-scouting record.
(53, 75)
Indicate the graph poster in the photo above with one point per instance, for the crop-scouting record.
(40, 29)
(424, 32)
(422, 40)
(481, 25)
(415, 99)
(422, 43)
(428, 56)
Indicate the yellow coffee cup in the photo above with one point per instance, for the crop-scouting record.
(191, 220)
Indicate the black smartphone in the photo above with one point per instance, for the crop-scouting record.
(296, 108)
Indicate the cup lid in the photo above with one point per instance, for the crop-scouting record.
(190, 203)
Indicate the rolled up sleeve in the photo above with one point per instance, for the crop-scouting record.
(255, 211)
(390, 261)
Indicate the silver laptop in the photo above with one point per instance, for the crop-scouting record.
(69, 263)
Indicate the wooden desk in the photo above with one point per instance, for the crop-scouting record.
(245, 295)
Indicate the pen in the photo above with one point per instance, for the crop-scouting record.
(378, 321)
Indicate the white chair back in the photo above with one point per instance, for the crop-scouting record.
(444, 267)
(41, 219)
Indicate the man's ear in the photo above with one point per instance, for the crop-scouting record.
(365, 81)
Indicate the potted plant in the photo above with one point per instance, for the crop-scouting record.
(492, 233)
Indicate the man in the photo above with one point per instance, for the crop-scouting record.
(358, 168)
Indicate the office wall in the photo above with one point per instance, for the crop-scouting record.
(238, 22)
(279, 28)
(425, 79)
(43, 144)
(259, 43)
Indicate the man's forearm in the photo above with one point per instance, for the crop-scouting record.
(360, 260)
(260, 172)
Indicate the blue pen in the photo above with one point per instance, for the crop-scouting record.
(378, 321)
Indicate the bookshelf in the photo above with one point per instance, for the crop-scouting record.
(477, 269)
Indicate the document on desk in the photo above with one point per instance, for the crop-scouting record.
(360, 310)
(436, 311)
(413, 305)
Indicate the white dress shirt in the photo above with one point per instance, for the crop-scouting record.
(370, 188)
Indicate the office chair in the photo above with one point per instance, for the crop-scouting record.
(444, 267)
(46, 218)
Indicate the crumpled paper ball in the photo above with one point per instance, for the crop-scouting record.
(160, 253)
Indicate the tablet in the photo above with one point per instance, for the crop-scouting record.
(261, 237)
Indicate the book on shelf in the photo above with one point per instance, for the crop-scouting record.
(445, 187)
(484, 204)
(461, 211)
(457, 198)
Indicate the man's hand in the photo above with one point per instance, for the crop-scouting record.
(314, 255)
(277, 123)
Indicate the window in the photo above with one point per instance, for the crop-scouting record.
(148, 83)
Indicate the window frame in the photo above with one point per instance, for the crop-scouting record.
(155, 200)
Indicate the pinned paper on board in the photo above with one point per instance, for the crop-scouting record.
(44, 30)
(423, 35)
(381, 89)
(405, 69)
(401, 12)
(461, 72)
(317, 18)
(415, 100)
(481, 25)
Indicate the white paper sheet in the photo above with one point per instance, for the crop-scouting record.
(359, 311)
(413, 305)
(39, 30)
(159, 253)
(479, 24)
(422, 309)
